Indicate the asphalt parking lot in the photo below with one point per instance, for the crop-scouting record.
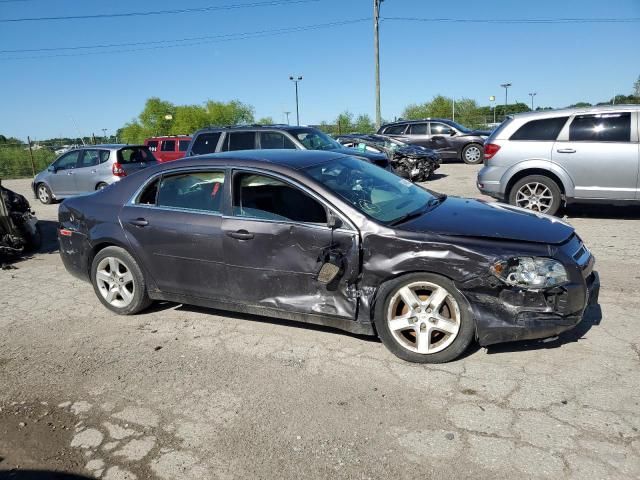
(180, 392)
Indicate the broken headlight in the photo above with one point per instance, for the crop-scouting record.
(530, 272)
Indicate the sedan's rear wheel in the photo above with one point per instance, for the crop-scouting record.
(472, 154)
(537, 193)
(423, 318)
(44, 194)
(119, 282)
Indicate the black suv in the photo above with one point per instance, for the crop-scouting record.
(450, 139)
(261, 137)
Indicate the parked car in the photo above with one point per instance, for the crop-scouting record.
(169, 148)
(412, 162)
(451, 140)
(19, 229)
(542, 160)
(268, 137)
(88, 169)
(329, 239)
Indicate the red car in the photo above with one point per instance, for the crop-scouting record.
(167, 149)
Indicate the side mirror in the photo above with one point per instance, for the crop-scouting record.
(453, 133)
(51, 169)
(334, 222)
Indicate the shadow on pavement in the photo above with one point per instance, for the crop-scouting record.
(578, 210)
(39, 475)
(593, 316)
(48, 244)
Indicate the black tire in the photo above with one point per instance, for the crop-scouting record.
(43, 192)
(140, 299)
(470, 151)
(551, 185)
(101, 185)
(466, 332)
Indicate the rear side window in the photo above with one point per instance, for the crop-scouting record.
(104, 155)
(135, 155)
(89, 158)
(240, 141)
(183, 145)
(153, 145)
(205, 143)
(270, 140)
(395, 130)
(193, 191)
(418, 129)
(605, 127)
(168, 146)
(544, 129)
(259, 196)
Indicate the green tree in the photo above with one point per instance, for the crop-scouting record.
(133, 132)
(266, 121)
(157, 116)
(364, 124)
(636, 87)
(228, 113)
(344, 122)
(188, 118)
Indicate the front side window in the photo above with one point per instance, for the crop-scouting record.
(183, 145)
(440, 129)
(372, 190)
(205, 143)
(90, 158)
(68, 161)
(271, 140)
(168, 146)
(200, 191)
(604, 127)
(239, 141)
(544, 129)
(267, 198)
(418, 129)
(395, 130)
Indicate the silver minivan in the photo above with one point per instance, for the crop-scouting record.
(542, 160)
(88, 169)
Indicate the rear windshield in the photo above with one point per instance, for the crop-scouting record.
(135, 155)
(500, 128)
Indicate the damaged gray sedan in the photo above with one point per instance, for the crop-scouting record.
(329, 239)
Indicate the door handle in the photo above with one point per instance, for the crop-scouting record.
(241, 235)
(139, 222)
(70, 173)
(566, 150)
(93, 171)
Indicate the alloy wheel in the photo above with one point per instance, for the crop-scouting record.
(423, 317)
(43, 194)
(473, 154)
(534, 196)
(115, 282)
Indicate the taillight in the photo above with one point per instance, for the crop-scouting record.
(490, 149)
(118, 171)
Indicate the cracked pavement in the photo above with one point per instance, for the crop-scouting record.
(181, 392)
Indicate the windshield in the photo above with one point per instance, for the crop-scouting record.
(314, 139)
(460, 127)
(372, 190)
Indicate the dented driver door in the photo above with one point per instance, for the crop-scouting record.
(273, 257)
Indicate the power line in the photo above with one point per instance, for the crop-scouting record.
(210, 8)
(515, 20)
(185, 42)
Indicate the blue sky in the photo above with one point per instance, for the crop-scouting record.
(564, 63)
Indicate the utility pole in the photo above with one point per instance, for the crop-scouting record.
(376, 49)
(104, 134)
(506, 96)
(33, 165)
(453, 100)
(296, 80)
(533, 94)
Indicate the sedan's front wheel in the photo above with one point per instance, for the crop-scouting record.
(423, 318)
(472, 154)
(118, 281)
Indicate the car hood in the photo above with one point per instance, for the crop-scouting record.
(476, 218)
(479, 133)
(415, 151)
(374, 156)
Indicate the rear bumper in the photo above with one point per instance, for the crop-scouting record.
(74, 252)
(489, 182)
(533, 315)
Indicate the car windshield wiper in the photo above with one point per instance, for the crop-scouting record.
(431, 204)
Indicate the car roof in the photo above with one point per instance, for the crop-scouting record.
(574, 110)
(429, 119)
(295, 159)
(113, 146)
(276, 126)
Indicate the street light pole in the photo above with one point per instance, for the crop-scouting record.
(533, 94)
(296, 80)
(492, 99)
(287, 114)
(506, 96)
(376, 50)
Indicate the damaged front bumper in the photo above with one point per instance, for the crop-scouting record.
(527, 315)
